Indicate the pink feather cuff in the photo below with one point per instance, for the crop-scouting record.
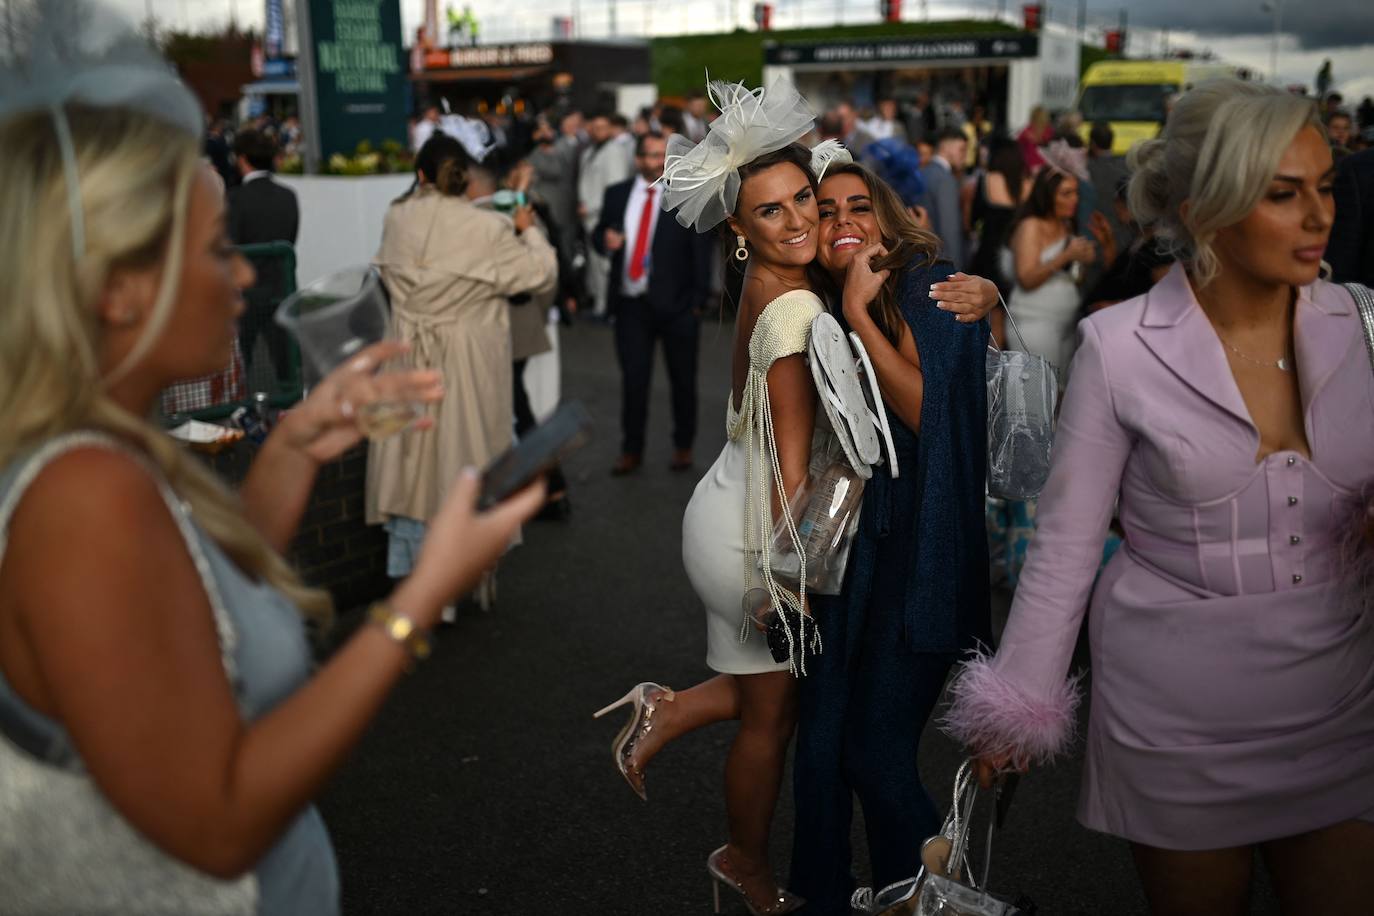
(992, 716)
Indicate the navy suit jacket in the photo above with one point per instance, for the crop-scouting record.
(679, 258)
(1351, 249)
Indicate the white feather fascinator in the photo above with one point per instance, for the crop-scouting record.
(827, 153)
(701, 181)
(61, 52)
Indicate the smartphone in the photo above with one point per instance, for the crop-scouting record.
(550, 442)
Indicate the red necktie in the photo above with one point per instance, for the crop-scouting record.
(646, 219)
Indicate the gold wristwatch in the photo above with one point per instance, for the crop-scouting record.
(401, 629)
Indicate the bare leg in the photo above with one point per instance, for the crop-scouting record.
(753, 774)
(1326, 871)
(714, 700)
(1213, 882)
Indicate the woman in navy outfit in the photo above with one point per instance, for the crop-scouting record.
(916, 591)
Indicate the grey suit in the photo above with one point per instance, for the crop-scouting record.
(946, 216)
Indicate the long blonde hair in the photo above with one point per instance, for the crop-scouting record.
(1218, 153)
(135, 178)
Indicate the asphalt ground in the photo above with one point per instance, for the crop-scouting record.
(485, 786)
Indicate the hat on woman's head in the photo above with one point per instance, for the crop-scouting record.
(79, 52)
(701, 181)
(898, 164)
(1066, 160)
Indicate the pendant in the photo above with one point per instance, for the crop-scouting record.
(1282, 364)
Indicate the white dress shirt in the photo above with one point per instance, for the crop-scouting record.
(634, 209)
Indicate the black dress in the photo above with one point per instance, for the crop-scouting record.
(995, 222)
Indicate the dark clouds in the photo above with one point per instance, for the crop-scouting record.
(1316, 24)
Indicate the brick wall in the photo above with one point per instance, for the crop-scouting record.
(333, 548)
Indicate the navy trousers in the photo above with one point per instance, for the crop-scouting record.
(638, 327)
(863, 705)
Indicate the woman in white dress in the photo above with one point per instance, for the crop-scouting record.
(770, 419)
(1040, 259)
(767, 204)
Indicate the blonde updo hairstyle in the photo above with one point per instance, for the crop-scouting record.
(1218, 153)
(136, 173)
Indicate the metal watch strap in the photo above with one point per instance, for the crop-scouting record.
(401, 630)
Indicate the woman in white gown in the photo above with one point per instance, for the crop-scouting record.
(1041, 257)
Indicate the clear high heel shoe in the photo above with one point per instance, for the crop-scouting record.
(639, 725)
(785, 902)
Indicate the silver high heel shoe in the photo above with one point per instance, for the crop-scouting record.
(639, 725)
(785, 902)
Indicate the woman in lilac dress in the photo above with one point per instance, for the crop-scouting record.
(1231, 412)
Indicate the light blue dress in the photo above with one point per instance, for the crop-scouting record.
(266, 657)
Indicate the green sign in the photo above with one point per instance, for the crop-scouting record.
(360, 75)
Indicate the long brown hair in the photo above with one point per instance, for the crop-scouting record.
(906, 242)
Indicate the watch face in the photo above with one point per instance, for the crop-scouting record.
(400, 627)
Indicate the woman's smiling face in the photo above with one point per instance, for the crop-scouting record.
(777, 213)
(848, 223)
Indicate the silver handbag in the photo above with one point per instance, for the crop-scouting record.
(64, 847)
(940, 887)
(1023, 392)
(949, 888)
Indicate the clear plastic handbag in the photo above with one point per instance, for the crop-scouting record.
(827, 512)
(948, 888)
(1023, 392)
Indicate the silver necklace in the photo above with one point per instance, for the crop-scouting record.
(1283, 363)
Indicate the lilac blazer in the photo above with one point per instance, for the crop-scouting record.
(1233, 684)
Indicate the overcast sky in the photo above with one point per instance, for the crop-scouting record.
(1238, 30)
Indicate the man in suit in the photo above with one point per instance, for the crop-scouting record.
(261, 210)
(659, 283)
(942, 192)
(1350, 252)
(608, 160)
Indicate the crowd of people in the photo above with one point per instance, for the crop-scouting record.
(1218, 410)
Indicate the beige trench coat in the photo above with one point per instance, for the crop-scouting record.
(450, 268)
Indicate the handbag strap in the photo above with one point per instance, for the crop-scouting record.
(1364, 302)
(992, 341)
(961, 814)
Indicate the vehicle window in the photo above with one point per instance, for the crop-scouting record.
(1125, 103)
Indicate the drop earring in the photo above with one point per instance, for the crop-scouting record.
(741, 252)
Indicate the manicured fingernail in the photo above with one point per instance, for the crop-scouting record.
(472, 472)
(346, 408)
(942, 306)
(361, 364)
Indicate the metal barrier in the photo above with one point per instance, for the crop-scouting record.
(266, 359)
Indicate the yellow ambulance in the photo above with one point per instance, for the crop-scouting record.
(1133, 95)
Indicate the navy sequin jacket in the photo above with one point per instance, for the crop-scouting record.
(930, 519)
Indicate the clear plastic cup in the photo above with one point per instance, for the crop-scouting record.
(335, 317)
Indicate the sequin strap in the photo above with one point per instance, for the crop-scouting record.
(35, 463)
(1364, 302)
